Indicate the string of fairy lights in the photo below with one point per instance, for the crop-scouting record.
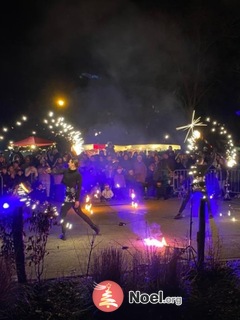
(58, 126)
(18, 123)
(219, 133)
(194, 137)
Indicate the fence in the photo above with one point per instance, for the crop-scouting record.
(217, 181)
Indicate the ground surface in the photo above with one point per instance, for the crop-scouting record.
(125, 227)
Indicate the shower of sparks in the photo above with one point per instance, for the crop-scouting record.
(230, 149)
(59, 127)
(190, 127)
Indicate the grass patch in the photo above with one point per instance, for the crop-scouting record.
(212, 293)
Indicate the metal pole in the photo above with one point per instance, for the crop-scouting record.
(17, 229)
(201, 234)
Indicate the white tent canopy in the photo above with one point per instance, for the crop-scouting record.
(132, 147)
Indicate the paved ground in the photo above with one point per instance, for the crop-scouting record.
(125, 227)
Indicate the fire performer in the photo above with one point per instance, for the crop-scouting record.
(72, 179)
(196, 184)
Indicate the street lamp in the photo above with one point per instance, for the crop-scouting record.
(60, 102)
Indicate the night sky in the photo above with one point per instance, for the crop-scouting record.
(133, 70)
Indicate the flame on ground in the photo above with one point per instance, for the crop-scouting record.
(88, 205)
(134, 204)
(155, 243)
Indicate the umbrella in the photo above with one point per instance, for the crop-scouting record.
(33, 141)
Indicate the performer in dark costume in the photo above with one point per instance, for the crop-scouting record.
(72, 179)
(199, 185)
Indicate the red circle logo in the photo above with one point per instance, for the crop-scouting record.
(107, 296)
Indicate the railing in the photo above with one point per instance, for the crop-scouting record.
(218, 181)
(234, 181)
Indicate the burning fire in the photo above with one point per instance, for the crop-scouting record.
(132, 194)
(88, 205)
(134, 204)
(155, 243)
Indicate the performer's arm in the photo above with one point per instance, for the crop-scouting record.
(56, 171)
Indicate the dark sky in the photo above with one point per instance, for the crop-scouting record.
(133, 70)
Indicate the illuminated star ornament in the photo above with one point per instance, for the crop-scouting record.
(190, 127)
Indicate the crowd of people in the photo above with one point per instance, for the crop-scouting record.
(105, 176)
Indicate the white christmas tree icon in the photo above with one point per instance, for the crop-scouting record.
(107, 299)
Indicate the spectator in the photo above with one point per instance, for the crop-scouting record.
(126, 163)
(109, 174)
(140, 171)
(31, 175)
(3, 161)
(58, 187)
(15, 154)
(119, 184)
(44, 175)
(131, 181)
(150, 182)
(26, 162)
(163, 187)
(52, 156)
(5, 180)
(11, 178)
(19, 177)
(16, 165)
(107, 193)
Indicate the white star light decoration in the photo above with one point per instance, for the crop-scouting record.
(192, 125)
